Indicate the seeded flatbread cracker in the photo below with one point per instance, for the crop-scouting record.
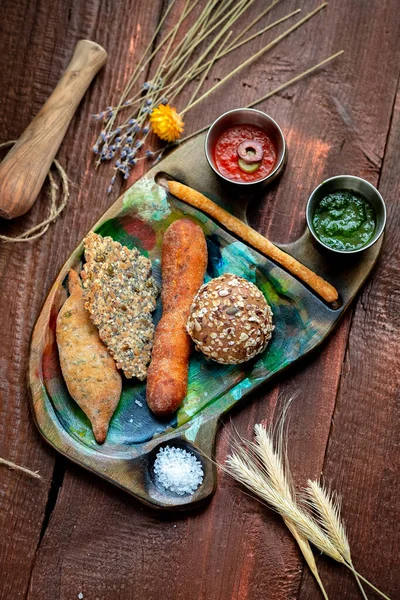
(89, 371)
(120, 295)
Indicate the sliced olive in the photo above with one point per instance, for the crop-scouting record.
(250, 151)
(248, 168)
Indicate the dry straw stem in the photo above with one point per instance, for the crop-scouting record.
(276, 90)
(273, 461)
(259, 466)
(255, 56)
(326, 506)
(16, 467)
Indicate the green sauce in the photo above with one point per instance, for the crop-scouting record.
(344, 220)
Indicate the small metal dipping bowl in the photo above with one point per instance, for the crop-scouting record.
(350, 183)
(247, 116)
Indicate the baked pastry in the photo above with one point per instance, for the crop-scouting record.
(255, 239)
(89, 371)
(120, 295)
(230, 320)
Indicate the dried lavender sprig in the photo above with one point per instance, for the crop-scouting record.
(256, 20)
(211, 64)
(141, 65)
(123, 103)
(231, 48)
(255, 56)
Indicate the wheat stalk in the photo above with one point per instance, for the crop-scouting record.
(326, 505)
(15, 467)
(262, 467)
(273, 461)
(244, 469)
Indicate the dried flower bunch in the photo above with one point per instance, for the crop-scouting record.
(312, 518)
(206, 35)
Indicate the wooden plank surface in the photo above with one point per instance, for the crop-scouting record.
(74, 533)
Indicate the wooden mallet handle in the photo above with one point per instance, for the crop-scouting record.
(25, 167)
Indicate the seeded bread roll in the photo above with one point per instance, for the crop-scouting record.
(230, 320)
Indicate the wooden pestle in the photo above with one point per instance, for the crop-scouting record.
(25, 167)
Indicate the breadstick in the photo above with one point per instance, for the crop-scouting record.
(183, 266)
(255, 239)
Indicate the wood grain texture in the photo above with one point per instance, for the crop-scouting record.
(98, 541)
(38, 39)
(363, 458)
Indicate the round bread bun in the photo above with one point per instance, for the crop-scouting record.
(230, 320)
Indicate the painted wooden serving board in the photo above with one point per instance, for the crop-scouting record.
(302, 321)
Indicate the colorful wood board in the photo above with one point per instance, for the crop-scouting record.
(302, 322)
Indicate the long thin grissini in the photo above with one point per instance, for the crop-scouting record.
(255, 239)
(183, 266)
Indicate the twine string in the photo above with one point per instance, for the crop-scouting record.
(56, 208)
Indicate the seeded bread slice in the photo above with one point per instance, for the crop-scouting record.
(120, 295)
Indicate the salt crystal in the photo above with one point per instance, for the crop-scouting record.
(178, 470)
(80, 595)
(138, 403)
(130, 420)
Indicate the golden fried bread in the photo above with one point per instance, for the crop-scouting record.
(89, 371)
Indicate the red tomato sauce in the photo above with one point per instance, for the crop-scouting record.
(226, 158)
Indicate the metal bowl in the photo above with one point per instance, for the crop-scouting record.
(350, 183)
(247, 116)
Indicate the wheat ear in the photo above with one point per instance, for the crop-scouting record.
(271, 457)
(326, 506)
(242, 467)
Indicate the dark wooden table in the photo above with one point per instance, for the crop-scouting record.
(74, 534)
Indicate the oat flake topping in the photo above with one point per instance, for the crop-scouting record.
(120, 295)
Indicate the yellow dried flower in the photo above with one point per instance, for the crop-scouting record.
(166, 123)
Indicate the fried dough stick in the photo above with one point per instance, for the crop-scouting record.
(89, 371)
(183, 266)
(255, 239)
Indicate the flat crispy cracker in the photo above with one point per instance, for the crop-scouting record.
(120, 295)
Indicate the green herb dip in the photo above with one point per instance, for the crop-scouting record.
(344, 220)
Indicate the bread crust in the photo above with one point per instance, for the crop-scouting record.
(183, 266)
(89, 371)
(255, 239)
(230, 320)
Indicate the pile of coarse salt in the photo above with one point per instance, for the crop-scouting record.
(178, 470)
